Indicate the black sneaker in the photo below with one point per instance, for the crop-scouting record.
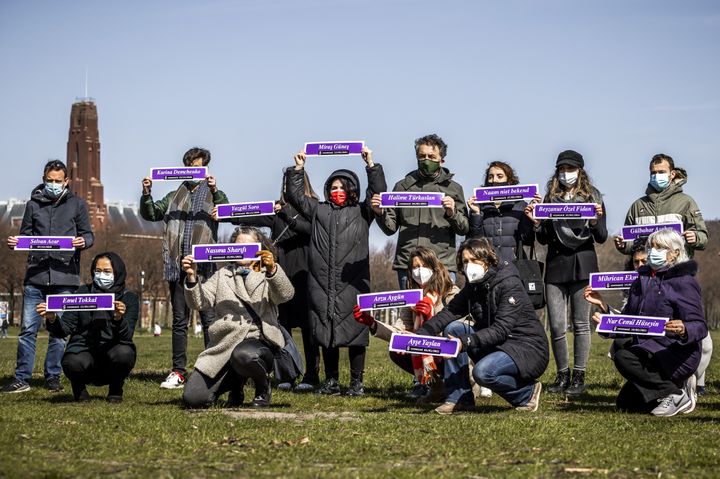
(262, 400)
(330, 388)
(356, 388)
(15, 386)
(418, 391)
(54, 385)
(236, 398)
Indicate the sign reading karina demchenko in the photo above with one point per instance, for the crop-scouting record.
(411, 200)
(204, 253)
(331, 148)
(556, 211)
(491, 194)
(389, 299)
(80, 302)
(637, 325)
(429, 345)
(55, 243)
(256, 208)
(179, 173)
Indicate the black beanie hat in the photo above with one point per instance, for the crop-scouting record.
(570, 158)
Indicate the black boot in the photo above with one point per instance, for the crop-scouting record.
(562, 381)
(356, 385)
(263, 394)
(577, 385)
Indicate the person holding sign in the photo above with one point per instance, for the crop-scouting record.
(245, 338)
(187, 214)
(100, 349)
(506, 340)
(434, 228)
(53, 210)
(503, 223)
(570, 259)
(339, 263)
(660, 369)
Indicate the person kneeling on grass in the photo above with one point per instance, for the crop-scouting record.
(100, 350)
(246, 335)
(506, 341)
(660, 369)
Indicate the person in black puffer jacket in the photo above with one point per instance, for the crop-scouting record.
(339, 264)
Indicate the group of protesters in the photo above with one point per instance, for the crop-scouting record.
(315, 262)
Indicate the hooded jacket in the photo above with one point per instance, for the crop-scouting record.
(504, 320)
(339, 260)
(670, 205)
(426, 226)
(66, 216)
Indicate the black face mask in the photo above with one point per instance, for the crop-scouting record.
(504, 183)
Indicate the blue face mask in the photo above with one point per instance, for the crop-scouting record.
(54, 190)
(660, 181)
(656, 258)
(104, 280)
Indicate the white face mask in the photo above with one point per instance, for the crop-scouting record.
(568, 178)
(474, 272)
(422, 275)
(657, 258)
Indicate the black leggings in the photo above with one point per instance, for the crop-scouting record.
(331, 357)
(99, 367)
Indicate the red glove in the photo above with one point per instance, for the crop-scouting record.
(424, 307)
(363, 317)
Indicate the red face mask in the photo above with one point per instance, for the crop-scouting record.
(338, 197)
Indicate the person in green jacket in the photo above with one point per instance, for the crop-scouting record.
(434, 228)
(187, 213)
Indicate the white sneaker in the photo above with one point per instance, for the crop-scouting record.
(485, 392)
(175, 380)
(672, 404)
(690, 389)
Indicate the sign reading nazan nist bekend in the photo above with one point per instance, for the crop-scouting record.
(389, 299)
(636, 325)
(331, 148)
(179, 173)
(255, 208)
(80, 302)
(55, 243)
(630, 233)
(428, 345)
(205, 253)
(556, 211)
(491, 194)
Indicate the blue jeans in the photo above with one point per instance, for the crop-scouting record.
(31, 321)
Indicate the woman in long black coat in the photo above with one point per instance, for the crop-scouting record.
(339, 263)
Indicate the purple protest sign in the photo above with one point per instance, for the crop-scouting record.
(428, 345)
(411, 200)
(54, 243)
(330, 148)
(389, 299)
(490, 194)
(256, 208)
(179, 173)
(205, 253)
(613, 280)
(630, 233)
(557, 211)
(636, 325)
(80, 302)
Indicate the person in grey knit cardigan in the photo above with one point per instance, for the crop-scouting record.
(246, 334)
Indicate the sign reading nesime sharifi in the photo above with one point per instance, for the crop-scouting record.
(389, 299)
(636, 325)
(411, 200)
(612, 280)
(490, 194)
(429, 345)
(556, 211)
(179, 173)
(80, 302)
(204, 253)
(331, 148)
(630, 233)
(54, 243)
(255, 208)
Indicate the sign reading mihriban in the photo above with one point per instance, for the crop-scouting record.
(179, 174)
(556, 211)
(411, 200)
(80, 302)
(630, 233)
(635, 325)
(54, 243)
(255, 208)
(491, 194)
(331, 148)
(612, 280)
(389, 299)
(428, 345)
(205, 253)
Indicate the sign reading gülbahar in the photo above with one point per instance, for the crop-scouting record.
(557, 211)
(491, 194)
(389, 299)
(256, 208)
(205, 253)
(411, 200)
(630, 233)
(54, 243)
(179, 173)
(426, 345)
(332, 148)
(80, 302)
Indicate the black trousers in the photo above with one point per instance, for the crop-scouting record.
(111, 366)
(251, 359)
(331, 357)
(311, 352)
(180, 323)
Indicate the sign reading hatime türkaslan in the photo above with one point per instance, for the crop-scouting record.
(334, 148)
(255, 208)
(558, 211)
(80, 302)
(612, 280)
(491, 194)
(636, 325)
(389, 299)
(633, 232)
(204, 253)
(427, 345)
(53, 243)
(419, 199)
(179, 173)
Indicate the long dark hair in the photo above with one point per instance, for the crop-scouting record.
(583, 187)
(479, 248)
(308, 189)
(353, 198)
(440, 283)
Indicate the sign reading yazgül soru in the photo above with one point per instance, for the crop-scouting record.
(255, 208)
(205, 253)
(556, 211)
(635, 325)
(80, 302)
(426, 345)
(333, 148)
(180, 173)
(491, 194)
(612, 280)
(389, 299)
(630, 233)
(415, 199)
(52, 243)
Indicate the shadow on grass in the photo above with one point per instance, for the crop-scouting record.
(149, 375)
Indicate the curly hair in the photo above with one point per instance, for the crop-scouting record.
(479, 248)
(194, 153)
(432, 140)
(512, 178)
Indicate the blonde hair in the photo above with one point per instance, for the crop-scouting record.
(671, 240)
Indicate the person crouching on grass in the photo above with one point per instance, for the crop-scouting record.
(660, 369)
(246, 335)
(506, 339)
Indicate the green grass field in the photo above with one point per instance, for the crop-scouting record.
(381, 434)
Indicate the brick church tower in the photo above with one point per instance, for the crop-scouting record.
(83, 159)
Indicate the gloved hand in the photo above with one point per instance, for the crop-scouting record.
(425, 308)
(267, 260)
(363, 317)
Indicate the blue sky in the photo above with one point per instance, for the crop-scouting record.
(252, 81)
